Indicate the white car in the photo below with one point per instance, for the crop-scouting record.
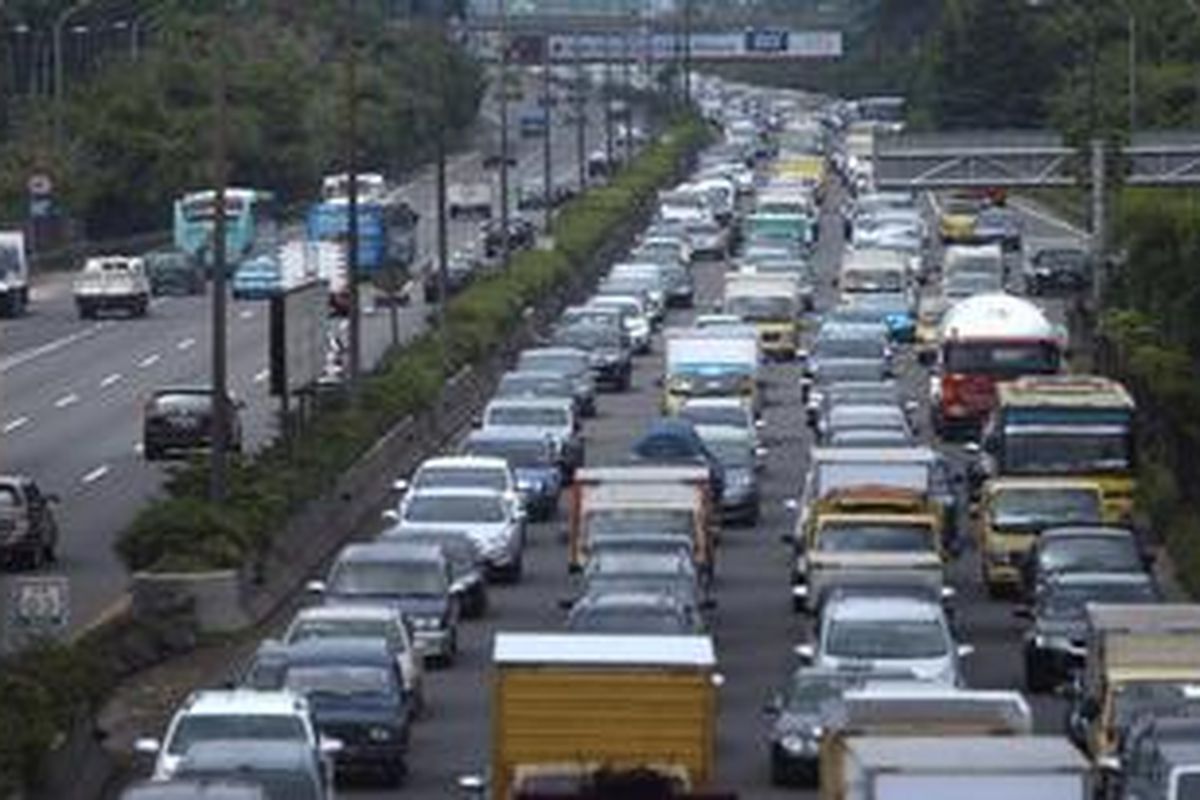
(887, 632)
(635, 318)
(232, 714)
(462, 472)
(490, 518)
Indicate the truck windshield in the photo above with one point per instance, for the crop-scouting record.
(1135, 700)
(616, 522)
(1002, 358)
(756, 308)
(1031, 509)
(865, 537)
(10, 259)
(1067, 452)
(1187, 786)
(849, 348)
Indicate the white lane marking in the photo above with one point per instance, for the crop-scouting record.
(95, 475)
(1033, 211)
(149, 361)
(259, 377)
(66, 400)
(110, 380)
(25, 356)
(246, 313)
(16, 424)
(186, 344)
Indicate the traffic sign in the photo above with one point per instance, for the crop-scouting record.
(40, 184)
(38, 606)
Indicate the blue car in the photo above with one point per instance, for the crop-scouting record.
(534, 461)
(894, 309)
(257, 278)
(671, 440)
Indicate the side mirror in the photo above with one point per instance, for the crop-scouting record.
(760, 424)
(948, 593)
(760, 452)
(1109, 763)
(147, 746)
(805, 652)
(477, 421)
(315, 587)
(390, 515)
(1022, 612)
(474, 785)
(708, 604)
(791, 504)
(565, 603)
(773, 707)
(802, 356)
(330, 747)
(965, 650)
(972, 448)
(400, 485)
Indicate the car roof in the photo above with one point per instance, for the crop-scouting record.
(388, 551)
(715, 402)
(516, 433)
(247, 754)
(195, 790)
(533, 374)
(1068, 532)
(1066, 579)
(359, 650)
(882, 607)
(605, 600)
(530, 402)
(456, 491)
(726, 433)
(221, 702)
(464, 462)
(575, 352)
(348, 612)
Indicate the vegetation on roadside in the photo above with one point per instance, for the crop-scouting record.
(50, 689)
(140, 132)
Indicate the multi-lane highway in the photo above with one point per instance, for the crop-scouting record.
(755, 628)
(71, 391)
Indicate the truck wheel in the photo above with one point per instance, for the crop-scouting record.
(141, 306)
(86, 311)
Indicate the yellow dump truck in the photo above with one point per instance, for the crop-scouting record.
(1142, 660)
(913, 710)
(572, 704)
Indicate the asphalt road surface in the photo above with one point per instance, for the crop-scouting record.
(71, 391)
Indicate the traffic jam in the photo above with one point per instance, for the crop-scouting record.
(911, 349)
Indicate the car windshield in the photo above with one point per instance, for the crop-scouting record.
(850, 417)
(279, 784)
(1095, 554)
(193, 728)
(1133, 700)
(1030, 507)
(631, 620)
(533, 416)
(883, 302)
(588, 337)
(455, 508)
(911, 475)
(965, 284)
(618, 521)
(368, 578)
(872, 280)
(1070, 600)
(340, 680)
(809, 694)
(839, 347)
(885, 639)
(518, 453)
(343, 629)
(183, 402)
(1088, 450)
(1067, 260)
(461, 478)
(857, 537)
(761, 308)
(1002, 359)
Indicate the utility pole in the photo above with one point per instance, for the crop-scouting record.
(606, 96)
(1099, 225)
(354, 364)
(218, 464)
(580, 117)
(504, 244)
(59, 72)
(1133, 63)
(547, 144)
(687, 52)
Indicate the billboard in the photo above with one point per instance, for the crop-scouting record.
(297, 347)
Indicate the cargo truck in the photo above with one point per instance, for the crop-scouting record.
(569, 708)
(711, 362)
(951, 768)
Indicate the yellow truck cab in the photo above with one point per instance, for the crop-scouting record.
(1142, 659)
(956, 217)
(637, 500)
(867, 536)
(719, 361)
(1078, 426)
(562, 703)
(769, 302)
(1013, 511)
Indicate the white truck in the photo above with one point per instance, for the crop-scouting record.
(711, 362)
(14, 274)
(469, 199)
(954, 767)
(112, 282)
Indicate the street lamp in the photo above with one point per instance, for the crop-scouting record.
(59, 22)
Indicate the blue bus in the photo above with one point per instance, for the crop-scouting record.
(387, 232)
(249, 218)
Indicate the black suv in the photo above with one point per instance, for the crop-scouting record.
(180, 419)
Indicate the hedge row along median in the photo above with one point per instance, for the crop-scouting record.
(184, 531)
(55, 686)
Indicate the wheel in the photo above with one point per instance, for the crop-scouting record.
(151, 452)
(86, 311)
(395, 772)
(1036, 681)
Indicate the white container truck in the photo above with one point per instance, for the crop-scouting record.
(957, 767)
(14, 274)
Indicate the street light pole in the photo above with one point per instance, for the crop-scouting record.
(547, 143)
(504, 244)
(354, 364)
(220, 390)
(1133, 64)
(59, 72)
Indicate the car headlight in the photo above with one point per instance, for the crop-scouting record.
(737, 479)
(427, 623)
(380, 734)
(797, 745)
(682, 384)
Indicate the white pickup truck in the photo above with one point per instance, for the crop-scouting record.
(469, 199)
(112, 282)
